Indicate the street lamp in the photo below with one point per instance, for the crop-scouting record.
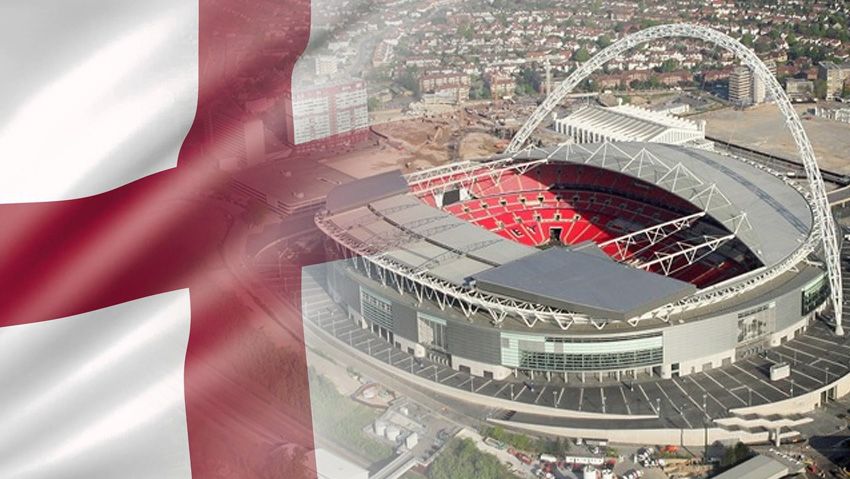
(658, 407)
(603, 400)
(512, 391)
(555, 398)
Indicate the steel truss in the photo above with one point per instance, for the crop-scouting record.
(677, 179)
(631, 244)
(371, 260)
(692, 253)
(370, 256)
(824, 228)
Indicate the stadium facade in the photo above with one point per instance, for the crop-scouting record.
(601, 260)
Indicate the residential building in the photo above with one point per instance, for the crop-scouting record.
(741, 86)
(759, 88)
(799, 89)
(500, 84)
(325, 65)
(454, 86)
(835, 74)
(334, 110)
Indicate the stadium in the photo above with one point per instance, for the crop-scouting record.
(655, 286)
(602, 260)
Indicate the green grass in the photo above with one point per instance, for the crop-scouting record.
(411, 474)
(341, 420)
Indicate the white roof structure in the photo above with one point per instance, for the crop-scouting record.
(759, 467)
(592, 124)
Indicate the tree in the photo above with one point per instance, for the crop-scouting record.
(409, 81)
(845, 91)
(529, 81)
(763, 45)
(736, 454)
(603, 41)
(748, 39)
(373, 103)
(791, 39)
(581, 55)
(820, 89)
(461, 459)
(669, 65)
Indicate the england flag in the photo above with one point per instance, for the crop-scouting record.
(126, 346)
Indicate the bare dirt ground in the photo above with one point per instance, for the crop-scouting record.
(443, 134)
(368, 161)
(763, 128)
(479, 145)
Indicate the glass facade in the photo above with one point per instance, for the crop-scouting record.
(566, 354)
(432, 332)
(376, 310)
(814, 294)
(757, 322)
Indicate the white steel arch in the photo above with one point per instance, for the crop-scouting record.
(824, 224)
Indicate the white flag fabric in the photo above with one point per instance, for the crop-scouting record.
(95, 93)
(126, 346)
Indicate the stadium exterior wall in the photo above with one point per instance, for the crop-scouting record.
(690, 347)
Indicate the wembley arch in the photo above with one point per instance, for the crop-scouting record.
(824, 224)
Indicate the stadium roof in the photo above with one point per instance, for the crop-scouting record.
(395, 225)
(362, 192)
(583, 282)
(421, 237)
(778, 216)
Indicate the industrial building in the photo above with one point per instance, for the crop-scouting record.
(760, 467)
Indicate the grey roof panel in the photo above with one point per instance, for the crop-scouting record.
(759, 467)
(584, 283)
(362, 192)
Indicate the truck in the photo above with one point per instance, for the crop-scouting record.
(596, 442)
(584, 460)
(780, 371)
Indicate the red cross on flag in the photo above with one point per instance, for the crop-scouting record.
(125, 350)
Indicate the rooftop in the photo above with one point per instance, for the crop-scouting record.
(759, 467)
(584, 281)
